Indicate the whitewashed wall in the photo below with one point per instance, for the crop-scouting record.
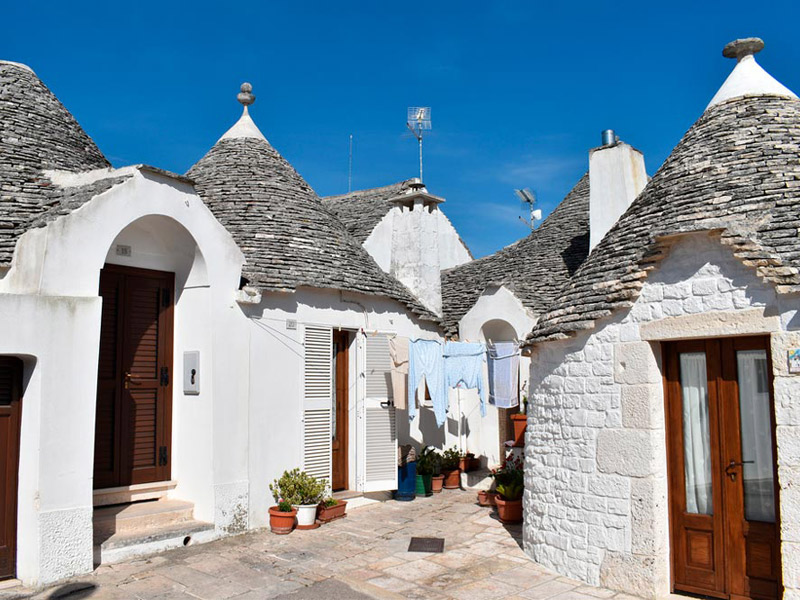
(496, 305)
(51, 313)
(596, 490)
(276, 374)
(415, 246)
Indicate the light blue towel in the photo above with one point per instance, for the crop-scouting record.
(463, 363)
(425, 358)
(504, 374)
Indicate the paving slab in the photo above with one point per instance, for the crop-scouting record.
(363, 556)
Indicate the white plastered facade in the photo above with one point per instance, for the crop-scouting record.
(50, 314)
(230, 440)
(596, 496)
(414, 244)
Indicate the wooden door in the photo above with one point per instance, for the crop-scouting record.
(133, 428)
(722, 468)
(339, 427)
(10, 412)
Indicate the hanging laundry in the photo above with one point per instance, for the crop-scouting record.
(398, 350)
(425, 358)
(504, 374)
(463, 364)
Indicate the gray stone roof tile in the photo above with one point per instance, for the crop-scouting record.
(736, 171)
(362, 210)
(38, 133)
(288, 235)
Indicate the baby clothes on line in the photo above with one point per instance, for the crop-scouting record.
(504, 374)
(463, 363)
(425, 358)
(398, 350)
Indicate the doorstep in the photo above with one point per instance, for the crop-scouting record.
(359, 499)
(128, 530)
(7, 584)
(133, 493)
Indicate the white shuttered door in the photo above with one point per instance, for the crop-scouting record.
(317, 401)
(380, 432)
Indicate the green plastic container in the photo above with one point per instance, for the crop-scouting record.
(424, 485)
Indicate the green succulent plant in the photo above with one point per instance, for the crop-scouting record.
(511, 490)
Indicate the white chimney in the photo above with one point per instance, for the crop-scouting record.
(616, 176)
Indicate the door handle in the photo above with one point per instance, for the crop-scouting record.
(129, 381)
(387, 404)
(730, 470)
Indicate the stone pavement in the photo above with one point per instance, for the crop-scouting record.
(361, 556)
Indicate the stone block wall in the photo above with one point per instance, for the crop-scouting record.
(596, 503)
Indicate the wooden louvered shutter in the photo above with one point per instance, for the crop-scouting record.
(10, 405)
(317, 401)
(380, 431)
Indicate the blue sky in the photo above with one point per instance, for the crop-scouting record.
(520, 90)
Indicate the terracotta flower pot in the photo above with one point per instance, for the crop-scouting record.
(326, 514)
(281, 522)
(452, 479)
(520, 422)
(486, 498)
(463, 463)
(437, 481)
(509, 511)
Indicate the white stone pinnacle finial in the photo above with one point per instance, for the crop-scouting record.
(747, 77)
(742, 47)
(245, 95)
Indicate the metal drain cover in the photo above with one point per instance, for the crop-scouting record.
(420, 544)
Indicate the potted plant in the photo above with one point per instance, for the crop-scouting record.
(304, 492)
(450, 470)
(520, 422)
(437, 479)
(331, 509)
(426, 465)
(465, 462)
(281, 517)
(487, 498)
(510, 484)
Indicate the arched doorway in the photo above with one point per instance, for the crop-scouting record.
(147, 267)
(499, 330)
(156, 308)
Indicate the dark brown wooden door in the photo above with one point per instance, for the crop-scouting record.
(10, 412)
(339, 446)
(722, 468)
(133, 427)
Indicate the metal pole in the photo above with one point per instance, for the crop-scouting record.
(350, 168)
(420, 158)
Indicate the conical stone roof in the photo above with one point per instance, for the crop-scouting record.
(287, 234)
(534, 268)
(737, 172)
(36, 133)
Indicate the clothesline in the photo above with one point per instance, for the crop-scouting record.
(453, 365)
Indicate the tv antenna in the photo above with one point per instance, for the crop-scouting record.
(529, 198)
(419, 120)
